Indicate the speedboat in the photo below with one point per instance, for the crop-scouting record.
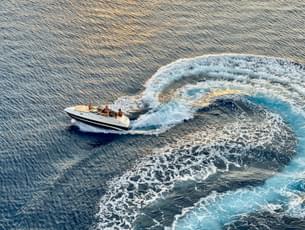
(96, 116)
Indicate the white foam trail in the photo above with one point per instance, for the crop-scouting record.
(258, 71)
(165, 115)
(276, 79)
(153, 177)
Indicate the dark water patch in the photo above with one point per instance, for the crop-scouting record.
(231, 106)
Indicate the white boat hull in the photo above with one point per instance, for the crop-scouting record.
(107, 122)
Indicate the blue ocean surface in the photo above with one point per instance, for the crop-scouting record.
(216, 93)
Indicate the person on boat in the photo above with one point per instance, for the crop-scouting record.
(120, 113)
(106, 110)
(90, 106)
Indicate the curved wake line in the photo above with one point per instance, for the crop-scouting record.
(265, 79)
(279, 74)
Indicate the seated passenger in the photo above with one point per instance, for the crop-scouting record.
(112, 113)
(90, 106)
(106, 110)
(120, 113)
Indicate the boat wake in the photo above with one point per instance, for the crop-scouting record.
(209, 178)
